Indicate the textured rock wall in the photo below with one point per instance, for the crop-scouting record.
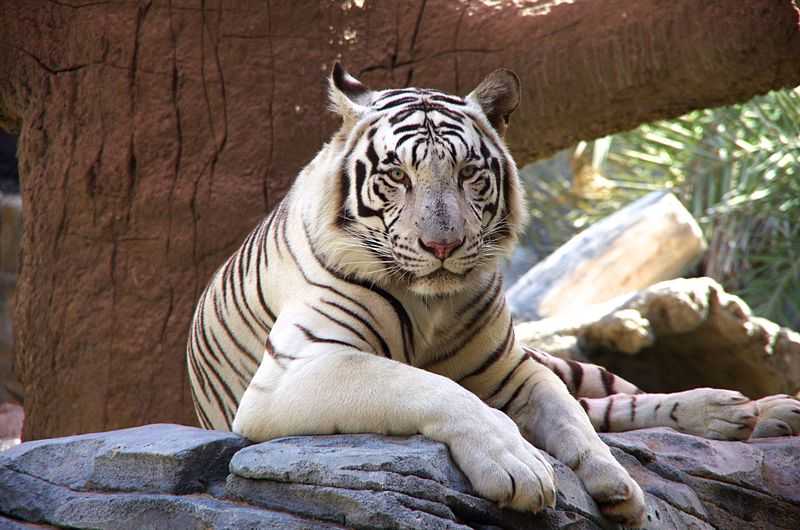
(170, 476)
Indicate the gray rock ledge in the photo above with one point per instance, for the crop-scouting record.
(171, 476)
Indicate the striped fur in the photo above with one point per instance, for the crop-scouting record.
(372, 289)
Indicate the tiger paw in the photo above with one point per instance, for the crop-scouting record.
(778, 416)
(619, 497)
(714, 413)
(500, 464)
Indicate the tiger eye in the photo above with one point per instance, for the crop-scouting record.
(398, 175)
(467, 171)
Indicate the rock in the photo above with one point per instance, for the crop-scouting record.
(728, 485)
(14, 524)
(607, 259)
(366, 481)
(152, 459)
(170, 476)
(688, 323)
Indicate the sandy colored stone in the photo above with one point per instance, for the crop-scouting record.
(677, 335)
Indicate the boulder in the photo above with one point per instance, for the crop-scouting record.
(676, 335)
(608, 259)
(170, 476)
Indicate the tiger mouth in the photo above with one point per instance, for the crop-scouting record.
(442, 274)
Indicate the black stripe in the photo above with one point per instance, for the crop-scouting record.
(608, 381)
(398, 102)
(309, 281)
(606, 426)
(198, 372)
(406, 128)
(508, 403)
(275, 354)
(231, 337)
(451, 125)
(556, 370)
(361, 176)
(225, 274)
(344, 192)
(202, 338)
(449, 99)
(536, 355)
(344, 325)
(241, 300)
(498, 353)
(262, 252)
(492, 287)
(245, 378)
(403, 139)
(402, 115)
(450, 113)
(344, 215)
(397, 92)
(316, 339)
(400, 311)
(507, 378)
(247, 246)
(205, 422)
(364, 322)
(577, 375)
(281, 213)
(672, 415)
(208, 370)
(471, 328)
(507, 188)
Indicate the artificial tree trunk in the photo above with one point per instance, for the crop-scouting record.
(154, 134)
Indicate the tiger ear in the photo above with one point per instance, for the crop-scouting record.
(349, 96)
(498, 96)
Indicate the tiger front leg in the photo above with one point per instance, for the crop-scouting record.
(551, 419)
(329, 389)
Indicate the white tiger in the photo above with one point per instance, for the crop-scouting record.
(369, 301)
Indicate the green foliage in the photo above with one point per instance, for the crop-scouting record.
(737, 169)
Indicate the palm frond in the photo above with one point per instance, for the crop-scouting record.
(737, 169)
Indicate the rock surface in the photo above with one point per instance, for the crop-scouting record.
(170, 476)
(688, 323)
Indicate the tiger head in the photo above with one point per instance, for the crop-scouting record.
(427, 195)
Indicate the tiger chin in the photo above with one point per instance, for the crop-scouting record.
(369, 300)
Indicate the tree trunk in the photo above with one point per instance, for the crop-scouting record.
(154, 134)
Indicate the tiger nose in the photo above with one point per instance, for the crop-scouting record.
(441, 249)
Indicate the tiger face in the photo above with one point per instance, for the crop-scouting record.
(428, 193)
